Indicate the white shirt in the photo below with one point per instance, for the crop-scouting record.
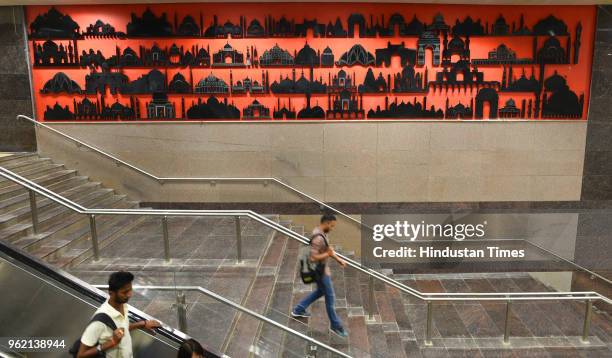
(99, 333)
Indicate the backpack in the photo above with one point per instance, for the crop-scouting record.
(99, 317)
(310, 271)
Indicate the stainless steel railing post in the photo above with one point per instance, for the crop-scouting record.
(181, 311)
(166, 239)
(94, 237)
(370, 297)
(238, 240)
(587, 321)
(429, 323)
(34, 211)
(507, 323)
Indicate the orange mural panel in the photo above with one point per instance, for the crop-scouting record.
(272, 61)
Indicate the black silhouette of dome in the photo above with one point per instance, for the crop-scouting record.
(555, 83)
(356, 55)
(307, 56)
(61, 83)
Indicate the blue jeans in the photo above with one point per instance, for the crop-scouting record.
(324, 288)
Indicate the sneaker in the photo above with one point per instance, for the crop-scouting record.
(340, 332)
(296, 314)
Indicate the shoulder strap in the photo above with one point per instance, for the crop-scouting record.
(319, 234)
(104, 318)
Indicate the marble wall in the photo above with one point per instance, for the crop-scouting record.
(14, 83)
(366, 162)
(597, 182)
(594, 237)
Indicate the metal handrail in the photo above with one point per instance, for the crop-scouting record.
(508, 297)
(285, 231)
(238, 307)
(162, 180)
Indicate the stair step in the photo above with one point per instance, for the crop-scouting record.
(73, 226)
(43, 204)
(99, 196)
(49, 211)
(26, 164)
(22, 200)
(49, 218)
(80, 249)
(33, 172)
(17, 157)
(58, 187)
(43, 180)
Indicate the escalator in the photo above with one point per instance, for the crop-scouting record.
(38, 301)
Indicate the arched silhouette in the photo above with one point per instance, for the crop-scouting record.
(487, 95)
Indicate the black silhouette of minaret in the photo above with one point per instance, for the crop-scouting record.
(191, 79)
(577, 42)
(568, 49)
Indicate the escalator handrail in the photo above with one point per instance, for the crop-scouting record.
(89, 291)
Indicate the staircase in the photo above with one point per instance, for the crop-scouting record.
(63, 237)
(203, 252)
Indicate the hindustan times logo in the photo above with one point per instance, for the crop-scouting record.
(406, 230)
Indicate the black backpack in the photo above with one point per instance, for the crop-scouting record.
(310, 271)
(98, 317)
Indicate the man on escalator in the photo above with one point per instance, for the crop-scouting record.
(320, 251)
(108, 333)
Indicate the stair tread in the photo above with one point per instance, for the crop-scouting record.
(39, 179)
(74, 217)
(52, 211)
(69, 240)
(42, 202)
(24, 196)
(17, 156)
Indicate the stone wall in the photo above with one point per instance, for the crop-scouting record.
(15, 95)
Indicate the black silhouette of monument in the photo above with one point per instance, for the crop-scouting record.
(54, 25)
(428, 40)
(375, 85)
(409, 81)
(236, 59)
(308, 57)
(149, 25)
(490, 96)
(100, 29)
(302, 85)
(256, 110)
(459, 111)
(276, 57)
(54, 55)
(309, 112)
(509, 110)
(559, 101)
(522, 84)
(357, 55)
(213, 109)
(406, 55)
(502, 55)
(61, 83)
(216, 30)
(414, 110)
